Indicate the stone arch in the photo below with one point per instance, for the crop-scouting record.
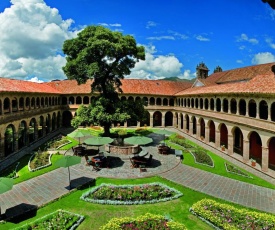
(212, 104)
(1, 112)
(218, 105)
(152, 101)
(67, 118)
(206, 105)
(263, 110)
(7, 105)
(22, 135)
(192, 102)
(145, 101)
(86, 100)
(237, 140)
(255, 146)
(37, 102)
(271, 153)
(168, 119)
(21, 104)
(165, 102)
(181, 121)
(78, 100)
(54, 121)
(32, 130)
(194, 128)
(184, 102)
(28, 103)
(196, 103)
(187, 122)
(130, 98)
(58, 119)
(272, 109)
(233, 106)
(42, 102)
(212, 131)
(158, 101)
(10, 140)
(48, 123)
(171, 102)
(46, 101)
(146, 121)
(223, 135)
(202, 125)
(242, 107)
(14, 104)
(188, 102)
(71, 100)
(157, 118)
(225, 105)
(41, 127)
(252, 108)
(64, 100)
(32, 103)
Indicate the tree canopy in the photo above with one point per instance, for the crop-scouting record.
(106, 57)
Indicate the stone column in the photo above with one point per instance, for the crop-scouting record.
(257, 110)
(265, 159)
(179, 123)
(238, 107)
(245, 151)
(44, 128)
(218, 139)
(151, 120)
(230, 145)
(138, 124)
(162, 120)
(35, 132)
(198, 130)
(222, 105)
(15, 142)
(2, 147)
(247, 108)
(174, 120)
(191, 127)
(207, 134)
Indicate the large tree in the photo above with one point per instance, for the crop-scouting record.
(106, 57)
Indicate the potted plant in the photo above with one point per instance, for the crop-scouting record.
(223, 147)
(202, 138)
(253, 162)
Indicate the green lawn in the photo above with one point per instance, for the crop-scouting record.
(97, 215)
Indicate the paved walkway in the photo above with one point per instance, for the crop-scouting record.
(45, 188)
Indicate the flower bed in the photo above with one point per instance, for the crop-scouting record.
(202, 157)
(144, 222)
(130, 194)
(180, 140)
(39, 161)
(58, 143)
(225, 216)
(59, 219)
(232, 169)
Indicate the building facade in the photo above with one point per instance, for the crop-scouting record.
(232, 109)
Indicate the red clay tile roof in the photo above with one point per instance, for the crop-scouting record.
(13, 85)
(263, 84)
(240, 74)
(129, 86)
(153, 87)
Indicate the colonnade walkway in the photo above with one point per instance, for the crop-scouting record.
(48, 187)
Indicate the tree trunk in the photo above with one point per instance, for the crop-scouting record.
(106, 130)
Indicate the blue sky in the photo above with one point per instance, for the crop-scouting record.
(177, 35)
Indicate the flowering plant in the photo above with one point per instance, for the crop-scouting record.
(252, 160)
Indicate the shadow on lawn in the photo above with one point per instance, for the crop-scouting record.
(20, 213)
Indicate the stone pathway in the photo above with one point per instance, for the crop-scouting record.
(45, 188)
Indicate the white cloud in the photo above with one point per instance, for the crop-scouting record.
(161, 38)
(158, 67)
(202, 39)
(244, 37)
(32, 35)
(109, 25)
(262, 58)
(269, 41)
(35, 79)
(239, 61)
(151, 24)
(177, 34)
